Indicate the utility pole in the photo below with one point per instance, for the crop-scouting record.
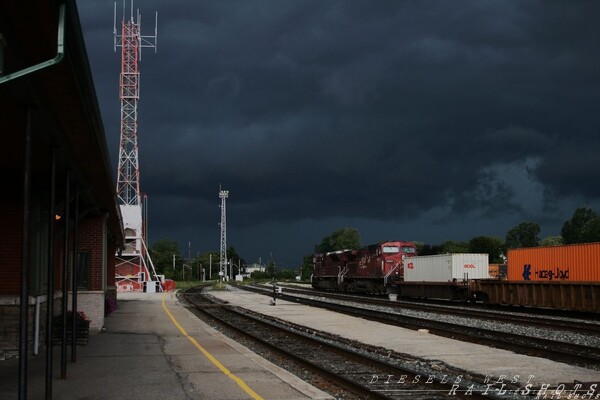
(199, 264)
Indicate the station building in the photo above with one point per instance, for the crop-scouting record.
(60, 224)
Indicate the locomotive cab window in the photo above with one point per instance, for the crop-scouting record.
(409, 250)
(391, 249)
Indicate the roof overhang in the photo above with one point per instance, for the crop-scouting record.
(63, 99)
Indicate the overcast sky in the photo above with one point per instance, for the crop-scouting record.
(408, 120)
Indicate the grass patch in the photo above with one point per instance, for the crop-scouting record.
(214, 285)
(184, 285)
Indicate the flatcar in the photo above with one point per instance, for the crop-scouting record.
(371, 269)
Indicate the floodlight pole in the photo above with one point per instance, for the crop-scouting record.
(223, 195)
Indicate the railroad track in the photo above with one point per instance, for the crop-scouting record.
(560, 351)
(526, 319)
(361, 370)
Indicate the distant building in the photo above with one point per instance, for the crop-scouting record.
(249, 269)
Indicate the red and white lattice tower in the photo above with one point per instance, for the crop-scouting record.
(134, 269)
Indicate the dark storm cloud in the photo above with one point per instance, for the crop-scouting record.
(573, 166)
(381, 110)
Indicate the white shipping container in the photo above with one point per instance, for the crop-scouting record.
(446, 267)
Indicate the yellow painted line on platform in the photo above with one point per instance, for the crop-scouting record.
(212, 359)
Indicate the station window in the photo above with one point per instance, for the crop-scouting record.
(83, 270)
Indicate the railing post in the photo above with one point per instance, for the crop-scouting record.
(25, 262)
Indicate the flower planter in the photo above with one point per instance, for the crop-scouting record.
(82, 328)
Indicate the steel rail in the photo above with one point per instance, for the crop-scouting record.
(467, 312)
(566, 352)
(374, 390)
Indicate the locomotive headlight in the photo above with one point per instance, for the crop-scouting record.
(403, 256)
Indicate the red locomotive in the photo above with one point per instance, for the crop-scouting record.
(369, 269)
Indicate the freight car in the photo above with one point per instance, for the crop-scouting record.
(562, 277)
(446, 276)
(370, 269)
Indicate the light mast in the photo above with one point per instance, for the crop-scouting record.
(223, 195)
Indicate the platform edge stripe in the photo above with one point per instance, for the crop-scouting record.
(212, 359)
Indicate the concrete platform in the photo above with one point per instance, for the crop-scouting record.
(465, 356)
(143, 354)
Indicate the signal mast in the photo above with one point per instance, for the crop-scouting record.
(133, 264)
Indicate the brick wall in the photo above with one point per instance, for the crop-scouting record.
(111, 260)
(92, 304)
(91, 239)
(10, 244)
(9, 331)
(110, 265)
(9, 325)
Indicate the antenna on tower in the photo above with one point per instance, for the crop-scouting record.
(150, 41)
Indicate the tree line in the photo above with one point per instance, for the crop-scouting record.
(169, 261)
(583, 227)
